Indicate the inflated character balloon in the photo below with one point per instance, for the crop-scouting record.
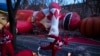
(71, 21)
(23, 27)
(5, 36)
(49, 20)
(26, 53)
(90, 26)
(23, 15)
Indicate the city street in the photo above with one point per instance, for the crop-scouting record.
(32, 43)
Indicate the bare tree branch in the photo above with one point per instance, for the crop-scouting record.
(16, 6)
(12, 20)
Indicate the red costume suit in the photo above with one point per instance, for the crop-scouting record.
(6, 43)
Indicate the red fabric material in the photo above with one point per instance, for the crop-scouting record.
(53, 46)
(7, 47)
(10, 35)
(54, 5)
(6, 33)
(74, 22)
(24, 14)
(25, 53)
(62, 16)
(50, 16)
(6, 27)
(39, 16)
(24, 27)
(56, 14)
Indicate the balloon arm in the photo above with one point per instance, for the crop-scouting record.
(54, 22)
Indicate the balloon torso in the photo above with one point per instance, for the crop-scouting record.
(43, 19)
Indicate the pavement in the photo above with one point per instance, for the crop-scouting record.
(33, 42)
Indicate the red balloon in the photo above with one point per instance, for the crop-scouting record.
(75, 21)
(24, 26)
(26, 53)
(71, 21)
(24, 14)
(54, 5)
(38, 18)
(29, 19)
(62, 15)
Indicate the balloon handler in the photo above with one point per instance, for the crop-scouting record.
(5, 36)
